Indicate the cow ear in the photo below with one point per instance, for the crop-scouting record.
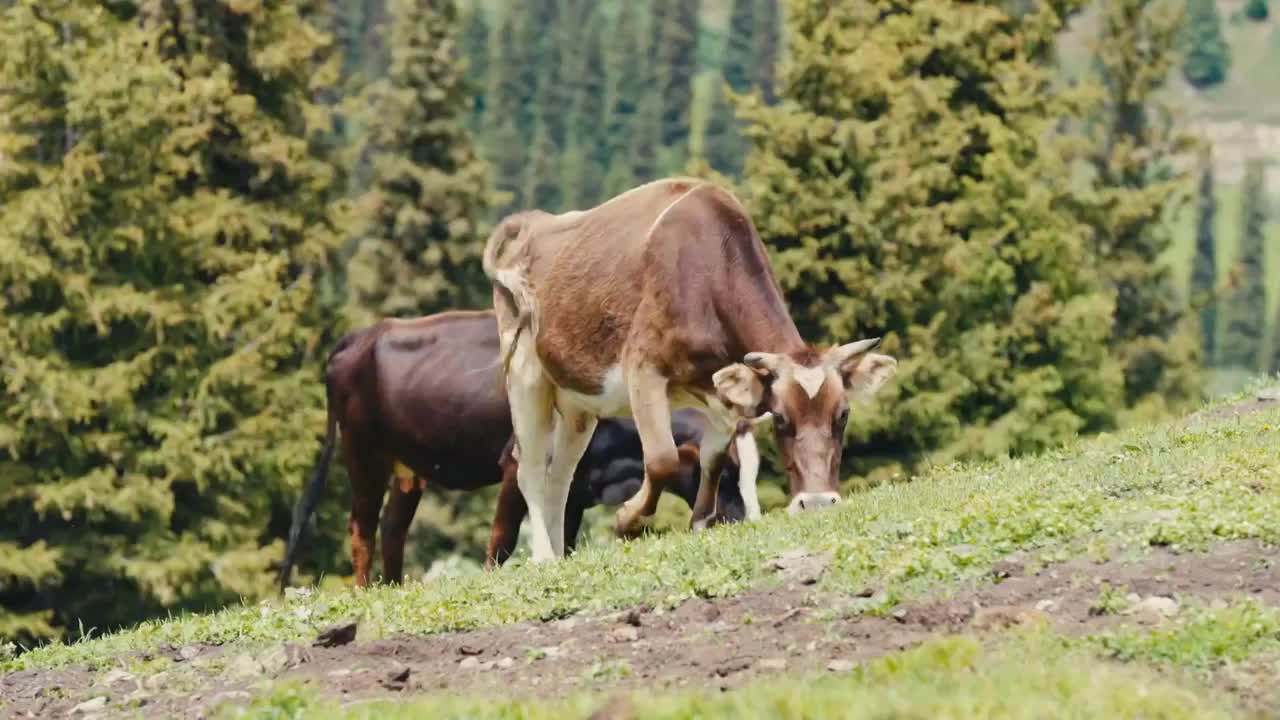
(740, 387)
(868, 375)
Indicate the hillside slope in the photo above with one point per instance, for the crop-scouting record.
(1134, 572)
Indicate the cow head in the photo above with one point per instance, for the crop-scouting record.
(808, 394)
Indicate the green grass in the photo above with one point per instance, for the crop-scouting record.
(1034, 675)
(1166, 485)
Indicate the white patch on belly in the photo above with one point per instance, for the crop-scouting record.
(613, 400)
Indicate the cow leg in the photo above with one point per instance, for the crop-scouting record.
(532, 422)
(368, 476)
(406, 492)
(571, 436)
(748, 468)
(506, 519)
(573, 512)
(651, 410)
(711, 457)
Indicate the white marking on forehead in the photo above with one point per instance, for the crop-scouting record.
(810, 378)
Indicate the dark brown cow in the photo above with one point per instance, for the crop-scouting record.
(423, 400)
(661, 297)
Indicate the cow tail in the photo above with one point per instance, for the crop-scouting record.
(310, 496)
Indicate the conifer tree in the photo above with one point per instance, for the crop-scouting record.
(913, 147)
(166, 221)
(586, 153)
(420, 242)
(627, 82)
(1207, 55)
(740, 46)
(1133, 145)
(1246, 307)
(766, 47)
(675, 29)
(506, 146)
(475, 48)
(1204, 268)
(1257, 10)
(541, 183)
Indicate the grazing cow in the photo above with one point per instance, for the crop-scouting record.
(423, 399)
(661, 297)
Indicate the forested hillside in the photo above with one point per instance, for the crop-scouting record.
(1061, 217)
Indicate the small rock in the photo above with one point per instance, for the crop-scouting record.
(89, 706)
(801, 566)
(506, 662)
(1269, 394)
(550, 651)
(469, 650)
(772, 664)
(274, 660)
(841, 665)
(336, 635)
(900, 614)
(624, 634)
(866, 592)
(396, 678)
(116, 676)
(782, 619)
(633, 618)
(710, 612)
(1154, 605)
(245, 665)
(469, 663)
(1046, 605)
(341, 672)
(157, 681)
(188, 652)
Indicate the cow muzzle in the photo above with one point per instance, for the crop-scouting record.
(813, 501)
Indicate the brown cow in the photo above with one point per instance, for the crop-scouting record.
(661, 297)
(423, 398)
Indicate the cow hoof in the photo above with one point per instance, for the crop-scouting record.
(631, 526)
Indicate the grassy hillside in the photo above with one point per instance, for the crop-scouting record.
(868, 605)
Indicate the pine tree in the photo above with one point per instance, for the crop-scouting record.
(505, 145)
(1133, 146)
(627, 75)
(475, 48)
(740, 46)
(675, 28)
(586, 152)
(419, 247)
(934, 214)
(1257, 10)
(723, 145)
(168, 205)
(1204, 269)
(541, 183)
(1246, 307)
(766, 46)
(544, 96)
(1208, 57)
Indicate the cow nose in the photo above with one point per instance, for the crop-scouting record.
(813, 501)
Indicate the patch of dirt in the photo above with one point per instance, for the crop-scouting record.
(1264, 400)
(724, 643)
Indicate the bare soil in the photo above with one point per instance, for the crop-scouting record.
(723, 643)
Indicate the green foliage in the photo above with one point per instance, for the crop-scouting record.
(740, 46)
(766, 47)
(475, 48)
(1246, 306)
(1257, 10)
(1207, 55)
(674, 26)
(1204, 269)
(168, 203)
(1132, 147)
(935, 212)
(419, 246)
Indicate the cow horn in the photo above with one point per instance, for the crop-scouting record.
(762, 361)
(838, 357)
